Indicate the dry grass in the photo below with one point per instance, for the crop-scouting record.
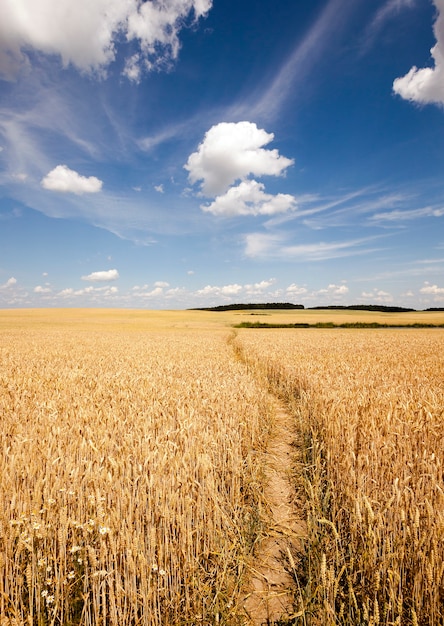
(370, 405)
(129, 477)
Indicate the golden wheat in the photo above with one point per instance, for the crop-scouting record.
(129, 481)
(130, 473)
(370, 405)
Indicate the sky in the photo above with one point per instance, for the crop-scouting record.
(171, 154)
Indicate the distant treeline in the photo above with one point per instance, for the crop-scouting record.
(288, 305)
(367, 307)
(243, 307)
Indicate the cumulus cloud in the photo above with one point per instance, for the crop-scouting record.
(65, 180)
(41, 289)
(377, 295)
(225, 290)
(233, 151)
(432, 290)
(140, 293)
(249, 198)
(158, 289)
(337, 290)
(88, 291)
(86, 34)
(234, 289)
(9, 283)
(102, 276)
(296, 290)
(426, 85)
(260, 286)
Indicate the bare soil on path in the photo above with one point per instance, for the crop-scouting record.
(271, 595)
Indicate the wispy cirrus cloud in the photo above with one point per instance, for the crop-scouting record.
(299, 65)
(276, 246)
(383, 15)
(409, 214)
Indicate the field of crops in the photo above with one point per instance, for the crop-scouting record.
(131, 469)
(129, 483)
(370, 406)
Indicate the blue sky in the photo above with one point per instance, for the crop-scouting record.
(182, 153)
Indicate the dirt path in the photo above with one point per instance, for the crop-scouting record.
(272, 587)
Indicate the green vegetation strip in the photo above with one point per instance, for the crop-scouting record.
(333, 325)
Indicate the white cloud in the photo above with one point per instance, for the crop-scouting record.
(132, 68)
(338, 290)
(330, 293)
(249, 198)
(144, 291)
(62, 179)
(296, 290)
(389, 10)
(426, 85)
(272, 245)
(20, 176)
(157, 291)
(231, 290)
(257, 289)
(88, 291)
(226, 290)
(377, 295)
(159, 188)
(233, 151)
(102, 276)
(411, 214)
(263, 284)
(432, 290)
(164, 135)
(262, 244)
(297, 75)
(9, 283)
(86, 34)
(41, 289)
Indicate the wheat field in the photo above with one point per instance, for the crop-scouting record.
(132, 478)
(370, 409)
(129, 484)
